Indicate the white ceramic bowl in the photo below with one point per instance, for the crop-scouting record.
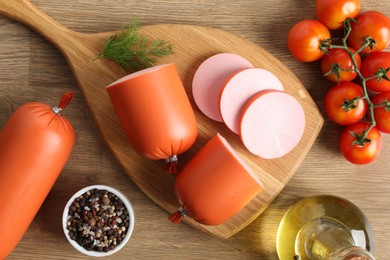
(128, 206)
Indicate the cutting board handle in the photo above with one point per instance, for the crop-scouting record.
(25, 12)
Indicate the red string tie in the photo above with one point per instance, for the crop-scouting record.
(171, 164)
(176, 217)
(65, 100)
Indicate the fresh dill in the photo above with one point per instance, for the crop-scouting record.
(133, 51)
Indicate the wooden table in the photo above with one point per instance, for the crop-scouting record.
(33, 70)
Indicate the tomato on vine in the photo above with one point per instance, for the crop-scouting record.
(344, 104)
(382, 112)
(333, 13)
(348, 103)
(305, 39)
(359, 150)
(373, 24)
(337, 65)
(377, 63)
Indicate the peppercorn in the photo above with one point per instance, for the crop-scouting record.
(106, 200)
(91, 221)
(98, 220)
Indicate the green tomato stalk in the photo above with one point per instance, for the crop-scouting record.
(381, 74)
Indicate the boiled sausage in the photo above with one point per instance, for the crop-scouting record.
(209, 79)
(155, 112)
(35, 144)
(239, 88)
(272, 124)
(215, 184)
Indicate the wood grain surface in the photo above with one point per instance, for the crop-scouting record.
(33, 70)
(192, 45)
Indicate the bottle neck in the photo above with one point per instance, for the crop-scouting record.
(326, 238)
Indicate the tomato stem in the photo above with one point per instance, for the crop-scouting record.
(368, 42)
(347, 30)
(349, 104)
(361, 140)
(372, 77)
(325, 45)
(385, 104)
(382, 74)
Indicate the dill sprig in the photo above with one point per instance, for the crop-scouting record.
(133, 51)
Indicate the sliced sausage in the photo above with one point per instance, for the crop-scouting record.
(209, 79)
(272, 124)
(215, 184)
(239, 88)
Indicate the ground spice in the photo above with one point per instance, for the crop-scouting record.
(98, 220)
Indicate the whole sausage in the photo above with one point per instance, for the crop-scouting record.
(35, 144)
(155, 112)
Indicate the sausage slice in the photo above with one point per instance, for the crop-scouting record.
(239, 88)
(272, 124)
(209, 79)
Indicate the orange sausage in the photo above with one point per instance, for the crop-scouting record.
(35, 143)
(154, 111)
(214, 185)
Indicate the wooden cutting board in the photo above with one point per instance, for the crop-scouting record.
(192, 45)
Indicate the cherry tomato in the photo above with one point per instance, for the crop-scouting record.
(371, 66)
(340, 105)
(304, 40)
(360, 154)
(374, 24)
(339, 61)
(382, 113)
(332, 13)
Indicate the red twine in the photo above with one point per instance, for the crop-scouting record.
(176, 217)
(171, 165)
(65, 99)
